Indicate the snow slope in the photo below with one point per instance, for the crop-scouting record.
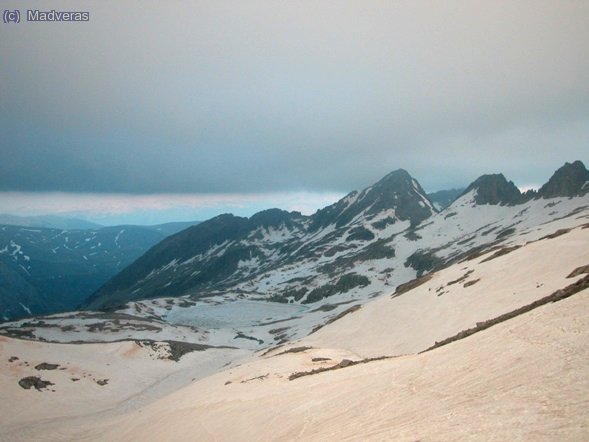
(525, 378)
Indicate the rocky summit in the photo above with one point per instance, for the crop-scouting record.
(570, 180)
(494, 189)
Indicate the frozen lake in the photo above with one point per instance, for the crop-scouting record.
(233, 314)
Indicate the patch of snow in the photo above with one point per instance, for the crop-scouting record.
(172, 263)
(17, 249)
(25, 308)
(117, 238)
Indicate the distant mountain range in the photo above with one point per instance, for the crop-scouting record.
(46, 270)
(47, 221)
(383, 235)
(443, 198)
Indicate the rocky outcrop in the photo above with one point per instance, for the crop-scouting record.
(494, 189)
(570, 180)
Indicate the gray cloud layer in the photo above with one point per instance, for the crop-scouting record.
(250, 96)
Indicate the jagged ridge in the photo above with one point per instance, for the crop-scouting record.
(349, 247)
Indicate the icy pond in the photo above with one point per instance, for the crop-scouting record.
(233, 314)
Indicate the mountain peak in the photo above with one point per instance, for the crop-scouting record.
(397, 192)
(494, 189)
(572, 179)
(395, 175)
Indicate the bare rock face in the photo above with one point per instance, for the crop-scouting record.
(495, 189)
(34, 381)
(572, 179)
(46, 366)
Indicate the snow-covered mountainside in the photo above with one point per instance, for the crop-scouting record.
(276, 255)
(360, 246)
(45, 270)
(276, 277)
(492, 347)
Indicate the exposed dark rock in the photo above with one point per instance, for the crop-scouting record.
(294, 350)
(176, 349)
(325, 308)
(278, 321)
(381, 224)
(257, 378)
(505, 232)
(462, 278)
(502, 251)
(295, 293)
(556, 234)
(572, 179)
(275, 218)
(18, 332)
(343, 364)
(411, 235)
(469, 283)
(46, 366)
(240, 335)
(466, 240)
(403, 288)
(579, 271)
(343, 285)
(336, 317)
(360, 233)
(34, 381)
(276, 331)
(486, 232)
(179, 349)
(379, 249)
(423, 261)
(494, 189)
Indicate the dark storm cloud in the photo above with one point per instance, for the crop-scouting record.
(250, 96)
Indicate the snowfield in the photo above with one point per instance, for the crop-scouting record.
(365, 376)
(377, 318)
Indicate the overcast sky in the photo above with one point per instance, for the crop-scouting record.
(292, 103)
